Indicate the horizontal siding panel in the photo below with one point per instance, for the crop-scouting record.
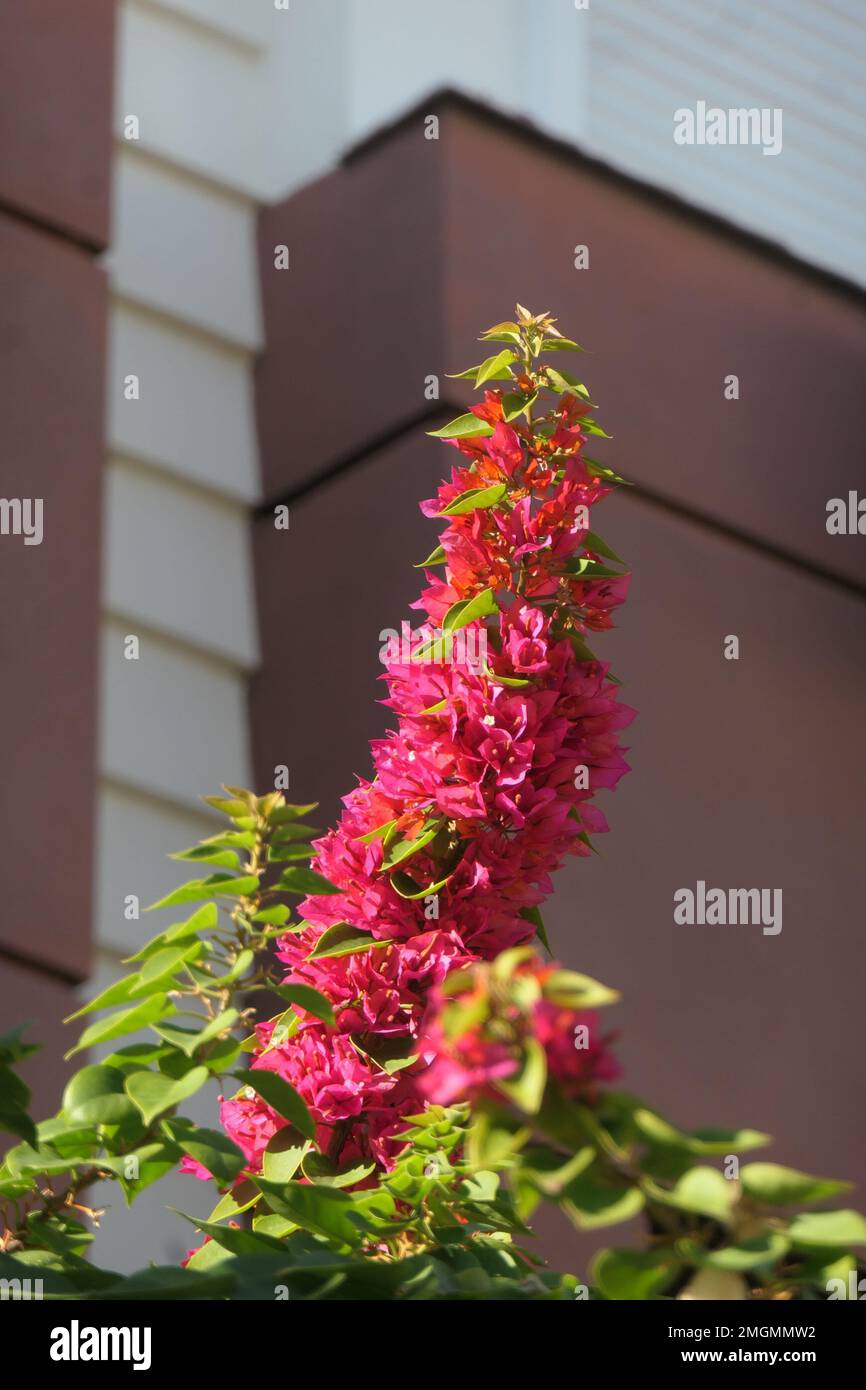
(680, 68)
(803, 58)
(173, 723)
(179, 561)
(702, 177)
(135, 836)
(185, 249)
(249, 21)
(195, 413)
(200, 102)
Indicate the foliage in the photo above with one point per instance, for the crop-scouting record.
(429, 1079)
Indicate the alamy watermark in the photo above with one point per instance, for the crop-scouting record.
(738, 125)
(720, 907)
(465, 647)
(22, 516)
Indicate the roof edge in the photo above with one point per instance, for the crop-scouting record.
(524, 129)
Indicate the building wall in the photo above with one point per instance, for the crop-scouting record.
(54, 219)
(182, 469)
(181, 478)
(608, 77)
(236, 104)
(746, 773)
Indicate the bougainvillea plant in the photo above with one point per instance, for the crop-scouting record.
(431, 1075)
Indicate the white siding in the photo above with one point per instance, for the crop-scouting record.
(178, 562)
(609, 78)
(198, 99)
(181, 478)
(185, 248)
(249, 21)
(172, 723)
(138, 833)
(195, 414)
(807, 59)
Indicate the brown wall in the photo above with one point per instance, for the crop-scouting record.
(747, 773)
(55, 110)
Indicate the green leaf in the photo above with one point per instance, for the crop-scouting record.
(289, 812)
(118, 993)
(701, 1142)
(407, 888)
(242, 1196)
(323, 1210)
(306, 882)
(590, 427)
(280, 1096)
(475, 499)
(12, 1046)
(203, 919)
(560, 345)
(215, 885)
(153, 1093)
(343, 940)
(469, 375)
(467, 610)
(378, 833)
(215, 1150)
(772, 1183)
(702, 1190)
(526, 1089)
(481, 1186)
(562, 381)
(436, 557)
(189, 1040)
(398, 850)
(170, 1282)
(126, 1021)
(514, 403)
(502, 332)
(295, 830)
(631, 1275)
(284, 1154)
(273, 916)
(209, 854)
(467, 426)
(389, 1054)
(96, 1096)
(234, 1239)
(162, 966)
(532, 914)
(575, 991)
(320, 1169)
(309, 999)
(290, 854)
(496, 368)
(764, 1249)
(584, 568)
(592, 1202)
(13, 1090)
(234, 808)
(828, 1228)
(600, 470)
(17, 1122)
(594, 542)
(240, 967)
(513, 682)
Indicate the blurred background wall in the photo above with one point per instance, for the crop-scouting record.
(229, 385)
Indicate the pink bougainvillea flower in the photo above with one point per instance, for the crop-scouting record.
(492, 767)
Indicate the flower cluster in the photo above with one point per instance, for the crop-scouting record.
(483, 788)
(484, 1022)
